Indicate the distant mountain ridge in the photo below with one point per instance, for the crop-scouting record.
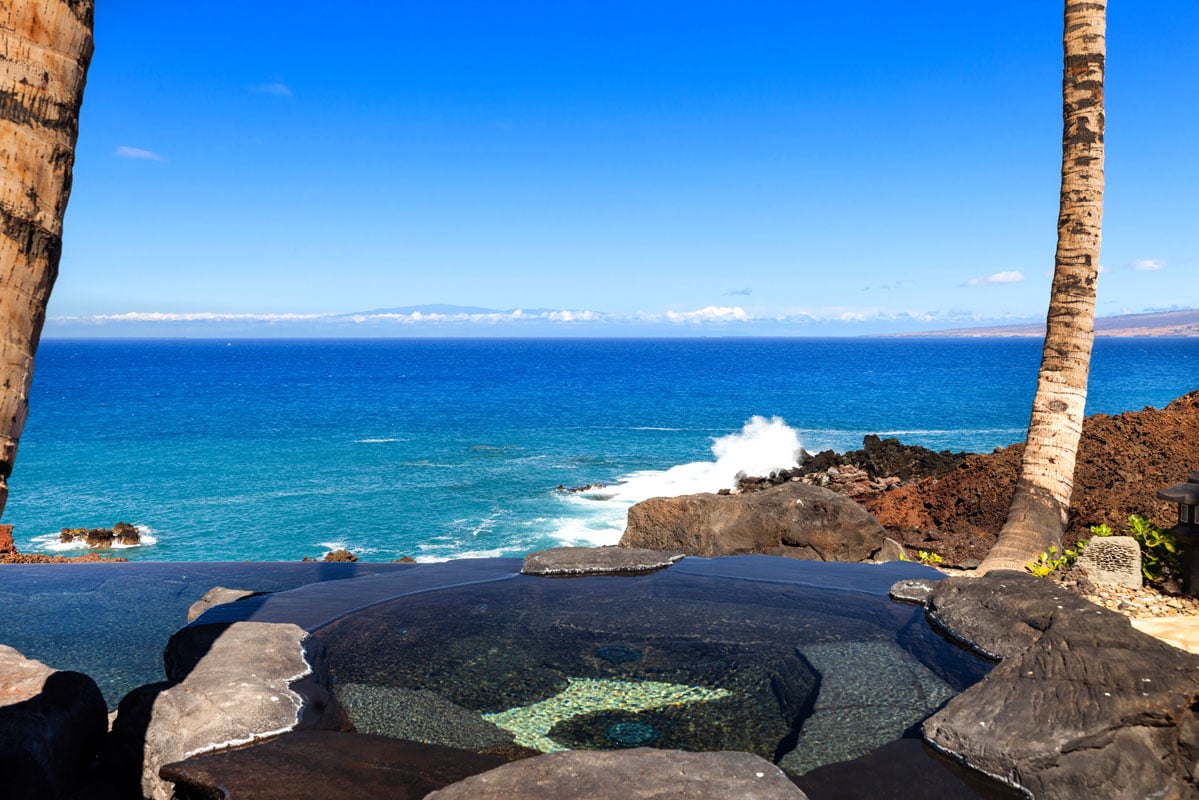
(1161, 323)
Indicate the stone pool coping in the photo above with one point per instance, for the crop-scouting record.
(1081, 705)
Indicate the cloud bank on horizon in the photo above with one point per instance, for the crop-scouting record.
(444, 320)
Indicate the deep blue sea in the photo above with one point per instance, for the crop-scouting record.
(275, 450)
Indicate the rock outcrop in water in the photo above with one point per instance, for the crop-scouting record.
(122, 533)
(793, 520)
(1082, 704)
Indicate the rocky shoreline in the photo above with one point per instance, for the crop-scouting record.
(953, 504)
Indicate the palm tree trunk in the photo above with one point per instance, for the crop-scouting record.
(1037, 516)
(45, 48)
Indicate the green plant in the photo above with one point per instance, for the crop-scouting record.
(1051, 561)
(924, 557)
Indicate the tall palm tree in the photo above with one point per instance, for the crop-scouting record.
(46, 47)
(1037, 516)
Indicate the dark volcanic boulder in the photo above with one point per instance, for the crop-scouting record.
(325, 764)
(124, 533)
(51, 726)
(628, 775)
(1082, 705)
(793, 520)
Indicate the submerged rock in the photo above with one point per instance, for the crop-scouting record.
(1082, 705)
(627, 775)
(794, 520)
(51, 727)
(419, 715)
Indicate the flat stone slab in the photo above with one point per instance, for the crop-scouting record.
(1082, 704)
(639, 774)
(596, 560)
(325, 764)
(913, 590)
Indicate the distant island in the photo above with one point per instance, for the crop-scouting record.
(1164, 323)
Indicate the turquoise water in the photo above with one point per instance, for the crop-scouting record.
(274, 450)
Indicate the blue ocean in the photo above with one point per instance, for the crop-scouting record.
(278, 449)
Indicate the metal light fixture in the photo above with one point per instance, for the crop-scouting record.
(1186, 495)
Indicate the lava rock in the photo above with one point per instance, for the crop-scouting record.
(794, 520)
(325, 764)
(1082, 705)
(51, 726)
(1123, 460)
(913, 590)
(229, 685)
(126, 534)
(629, 775)
(596, 561)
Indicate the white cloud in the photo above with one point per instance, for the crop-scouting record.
(203, 316)
(1147, 265)
(1008, 276)
(709, 314)
(136, 154)
(273, 89)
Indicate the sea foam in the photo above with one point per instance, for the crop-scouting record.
(761, 447)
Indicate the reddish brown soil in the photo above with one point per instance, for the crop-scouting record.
(1122, 462)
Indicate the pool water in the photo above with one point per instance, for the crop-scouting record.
(807, 664)
(749, 653)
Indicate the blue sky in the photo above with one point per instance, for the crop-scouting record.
(610, 168)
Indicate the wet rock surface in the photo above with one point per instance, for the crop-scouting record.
(629, 775)
(597, 561)
(793, 520)
(325, 764)
(51, 726)
(1082, 705)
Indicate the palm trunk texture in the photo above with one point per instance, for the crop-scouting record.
(1039, 509)
(45, 48)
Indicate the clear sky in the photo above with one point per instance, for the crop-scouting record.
(608, 168)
